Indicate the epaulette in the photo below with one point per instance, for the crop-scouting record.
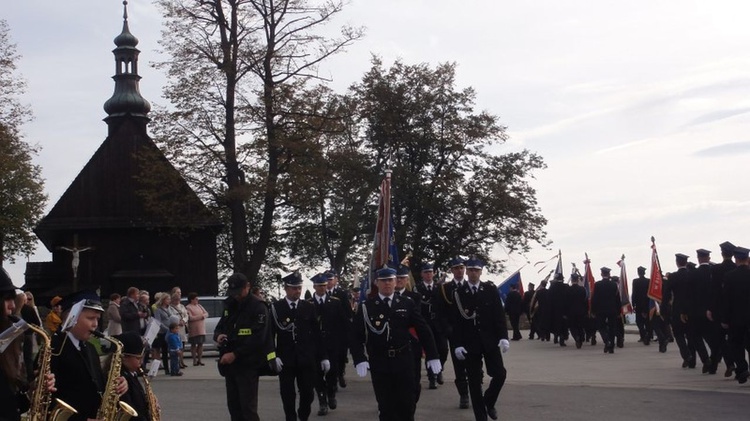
(333, 297)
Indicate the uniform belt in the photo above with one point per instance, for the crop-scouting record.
(392, 352)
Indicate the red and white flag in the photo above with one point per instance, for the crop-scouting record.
(656, 283)
(588, 279)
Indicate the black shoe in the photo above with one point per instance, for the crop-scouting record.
(663, 347)
(332, 402)
(685, 363)
(492, 412)
(646, 342)
(691, 363)
(323, 410)
(706, 368)
(562, 343)
(439, 378)
(742, 377)
(579, 344)
(463, 402)
(620, 342)
(432, 385)
(593, 341)
(729, 371)
(342, 382)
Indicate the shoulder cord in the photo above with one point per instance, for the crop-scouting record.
(372, 328)
(289, 328)
(442, 290)
(461, 308)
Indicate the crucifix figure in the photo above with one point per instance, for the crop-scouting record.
(76, 252)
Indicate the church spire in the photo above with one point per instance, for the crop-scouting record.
(127, 99)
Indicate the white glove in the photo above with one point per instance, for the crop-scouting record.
(460, 353)
(504, 345)
(362, 368)
(325, 365)
(278, 365)
(434, 366)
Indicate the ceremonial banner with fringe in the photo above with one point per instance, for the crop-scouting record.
(622, 287)
(384, 251)
(656, 283)
(588, 279)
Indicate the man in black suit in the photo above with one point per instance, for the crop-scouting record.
(606, 308)
(514, 308)
(334, 289)
(130, 314)
(716, 303)
(578, 309)
(558, 301)
(736, 316)
(701, 329)
(428, 290)
(641, 305)
(528, 296)
(481, 333)
(333, 325)
(678, 295)
(446, 311)
(295, 328)
(79, 378)
(381, 327)
(132, 355)
(401, 290)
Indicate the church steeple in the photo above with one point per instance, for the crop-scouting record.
(127, 99)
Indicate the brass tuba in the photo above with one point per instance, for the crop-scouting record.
(153, 405)
(39, 410)
(111, 409)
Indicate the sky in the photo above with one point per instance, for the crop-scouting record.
(640, 109)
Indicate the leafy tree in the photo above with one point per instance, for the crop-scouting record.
(451, 194)
(22, 197)
(240, 75)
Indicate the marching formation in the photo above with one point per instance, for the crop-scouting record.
(703, 308)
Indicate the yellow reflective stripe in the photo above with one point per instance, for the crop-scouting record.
(245, 332)
(271, 356)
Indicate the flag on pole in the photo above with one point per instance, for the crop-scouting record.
(656, 283)
(588, 279)
(622, 287)
(514, 279)
(559, 269)
(384, 251)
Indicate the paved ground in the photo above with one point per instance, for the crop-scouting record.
(544, 382)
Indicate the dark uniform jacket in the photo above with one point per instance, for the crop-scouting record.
(514, 303)
(384, 331)
(12, 402)
(678, 290)
(578, 304)
(444, 306)
(246, 325)
(297, 334)
(130, 320)
(345, 298)
(480, 318)
(700, 293)
(605, 300)
(717, 287)
(428, 299)
(332, 322)
(527, 297)
(78, 376)
(737, 297)
(136, 397)
(640, 294)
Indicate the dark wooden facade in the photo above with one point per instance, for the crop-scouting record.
(137, 219)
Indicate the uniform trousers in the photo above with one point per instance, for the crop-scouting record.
(515, 320)
(325, 383)
(644, 326)
(738, 335)
(242, 393)
(607, 327)
(680, 332)
(393, 383)
(305, 379)
(459, 369)
(493, 360)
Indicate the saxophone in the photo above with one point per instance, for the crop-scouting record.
(153, 405)
(39, 410)
(111, 409)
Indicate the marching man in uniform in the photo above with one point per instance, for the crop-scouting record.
(480, 333)
(381, 327)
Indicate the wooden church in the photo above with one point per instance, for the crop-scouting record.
(128, 218)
